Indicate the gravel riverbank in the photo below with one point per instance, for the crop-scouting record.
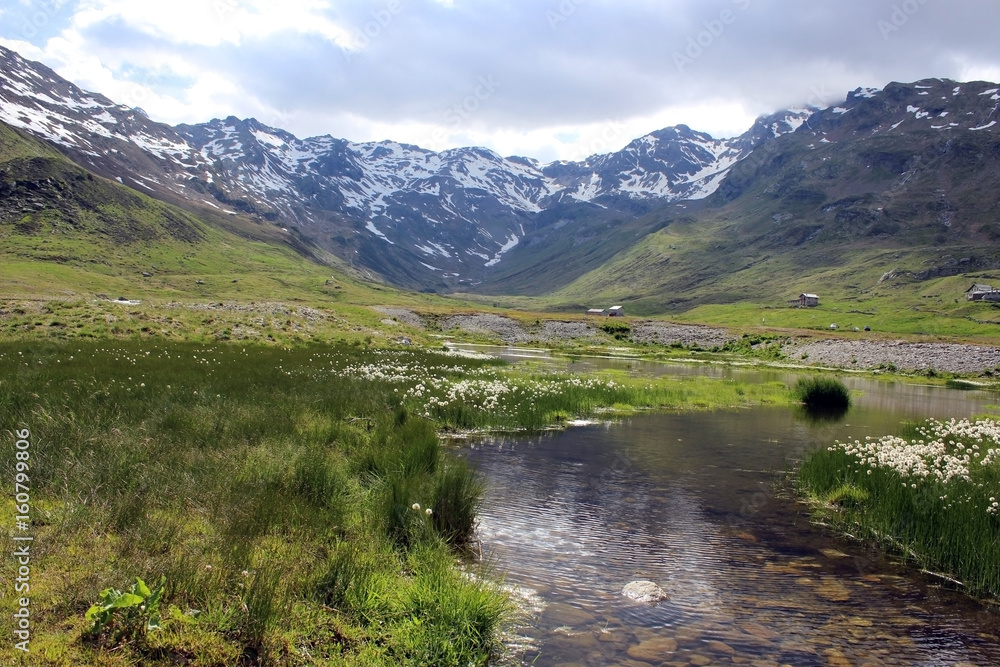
(904, 355)
(837, 352)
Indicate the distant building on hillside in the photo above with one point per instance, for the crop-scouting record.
(979, 292)
(616, 311)
(596, 311)
(805, 301)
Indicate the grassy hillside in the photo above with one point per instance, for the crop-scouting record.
(569, 240)
(72, 244)
(889, 231)
(688, 273)
(61, 227)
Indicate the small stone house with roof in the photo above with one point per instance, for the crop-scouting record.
(805, 301)
(979, 292)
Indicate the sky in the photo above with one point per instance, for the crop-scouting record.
(547, 79)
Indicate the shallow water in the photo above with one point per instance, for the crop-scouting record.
(695, 503)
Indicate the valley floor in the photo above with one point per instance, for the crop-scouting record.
(855, 350)
(287, 322)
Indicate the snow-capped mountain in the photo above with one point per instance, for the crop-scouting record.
(417, 216)
(671, 164)
(420, 218)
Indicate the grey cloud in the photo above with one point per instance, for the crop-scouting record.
(585, 61)
(620, 59)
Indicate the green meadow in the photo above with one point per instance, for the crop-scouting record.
(295, 502)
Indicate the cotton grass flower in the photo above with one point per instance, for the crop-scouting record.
(942, 453)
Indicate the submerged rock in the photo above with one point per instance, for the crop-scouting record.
(653, 650)
(562, 614)
(643, 591)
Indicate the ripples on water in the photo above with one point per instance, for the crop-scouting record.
(689, 502)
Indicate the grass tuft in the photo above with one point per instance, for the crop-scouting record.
(822, 394)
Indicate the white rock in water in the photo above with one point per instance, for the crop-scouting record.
(643, 591)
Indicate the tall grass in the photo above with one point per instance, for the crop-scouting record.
(256, 479)
(456, 498)
(919, 496)
(284, 493)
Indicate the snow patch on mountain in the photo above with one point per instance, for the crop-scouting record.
(509, 245)
(370, 226)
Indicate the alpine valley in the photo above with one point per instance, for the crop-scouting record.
(899, 184)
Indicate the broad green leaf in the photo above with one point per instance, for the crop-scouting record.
(127, 600)
(109, 595)
(141, 588)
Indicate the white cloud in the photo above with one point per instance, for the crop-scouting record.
(977, 71)
(214, 22)
(394, 69)
(25, 49)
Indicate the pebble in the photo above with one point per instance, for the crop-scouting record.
(759, 631)
(720, 647)
(835, 658)
(833, 590)
(653, 650)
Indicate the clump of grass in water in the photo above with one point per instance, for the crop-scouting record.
(822, 394)
(846, 495)
(457, 496)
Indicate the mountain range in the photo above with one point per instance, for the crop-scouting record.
(909, 164)
(417, 217)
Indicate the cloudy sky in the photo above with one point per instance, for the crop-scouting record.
(550, 79)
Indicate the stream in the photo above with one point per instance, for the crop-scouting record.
(699, 504)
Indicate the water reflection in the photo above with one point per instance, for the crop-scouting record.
(905, 400)
(695, 503)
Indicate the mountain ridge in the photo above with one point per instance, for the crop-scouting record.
(468, 219)
(419, 218)
(871, 198)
